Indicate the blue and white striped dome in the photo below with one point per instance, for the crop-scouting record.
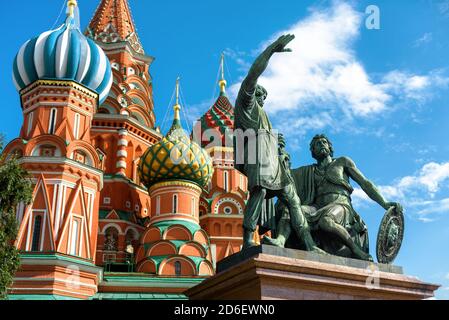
(64, 54)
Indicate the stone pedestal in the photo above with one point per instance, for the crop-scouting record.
(267, 272)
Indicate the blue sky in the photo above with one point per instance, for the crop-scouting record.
(382, 96)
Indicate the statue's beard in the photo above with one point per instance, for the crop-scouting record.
(322, 154)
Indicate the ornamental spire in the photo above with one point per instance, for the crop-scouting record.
(177, 107)
(176, 125)
(222, 83)
(71, 5)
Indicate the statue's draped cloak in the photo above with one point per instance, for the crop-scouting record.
(264, 171)
(263, 168)
(305, 184)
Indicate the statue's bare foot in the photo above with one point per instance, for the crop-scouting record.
(315, 249)
(370, 258)
(360, 254)
(273, 242)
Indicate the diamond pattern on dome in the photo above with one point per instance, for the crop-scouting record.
(175, 156)
(220, 117)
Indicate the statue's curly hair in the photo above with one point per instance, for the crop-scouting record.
(261, 90)
(317, 137)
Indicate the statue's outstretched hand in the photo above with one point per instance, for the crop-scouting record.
(398, 206)
(280, 44)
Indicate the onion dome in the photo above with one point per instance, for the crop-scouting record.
(175, 157)
(64, 54)
(219, 118)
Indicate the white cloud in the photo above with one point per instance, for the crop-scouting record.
(413, 87)
(443, 7)
(447, 277)
(322, 66)
(195, 111)
(323, 75)
(416, 192)
(240, 57)
(426, 38)
(429, 178)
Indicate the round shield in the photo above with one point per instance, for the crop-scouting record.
(389, 238)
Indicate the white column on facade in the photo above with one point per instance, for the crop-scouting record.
(121, 152)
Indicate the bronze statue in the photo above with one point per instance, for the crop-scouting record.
(267, 177)
(325, 192)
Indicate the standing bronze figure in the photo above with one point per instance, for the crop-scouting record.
(267, 177)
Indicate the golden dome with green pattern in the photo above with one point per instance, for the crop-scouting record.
(175, 157)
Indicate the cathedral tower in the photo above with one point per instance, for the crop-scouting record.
(175, 170)
(62, 78)
(122, 129)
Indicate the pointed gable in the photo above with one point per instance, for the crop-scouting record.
(40, 206)
(112, 215)
(229, 250)
(76, 209)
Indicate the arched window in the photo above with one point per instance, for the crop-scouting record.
(52, 123)
(131, 237)
(134, 85)
(30, 122)
(175, 203)
(193, 206)
(137, 100)
(139, 118)
(76, 126)
(178, 268)
(226, 181)
(107, 109)
(74, 244)
(228, 229)
(115, 66)
(158, 205)
(111, 239)
(36, 233)
(217, 229)
(81, 156)
(47, 151)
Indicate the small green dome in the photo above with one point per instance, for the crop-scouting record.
(175, 157)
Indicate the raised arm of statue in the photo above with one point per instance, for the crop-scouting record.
(261, 63)
(368, 187)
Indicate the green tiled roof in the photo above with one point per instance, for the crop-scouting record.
(123, 215)
(55, 256)
(163, 225)
(197, 261)
(38, 297)
(143, 278)
(139, 296)
(158, 259)
(177, 243)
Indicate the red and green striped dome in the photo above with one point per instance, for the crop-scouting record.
(220, 118)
